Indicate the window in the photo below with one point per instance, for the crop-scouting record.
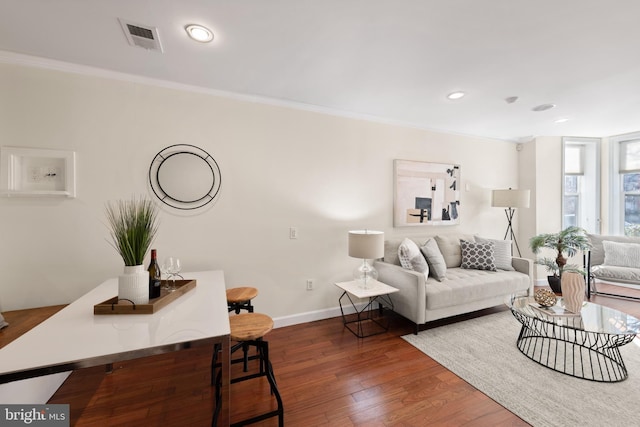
(571, 201)
(625, 179)
(631, 185)
(581, 183)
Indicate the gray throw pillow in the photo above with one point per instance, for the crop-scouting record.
(449, 245)
(437, 266)
(478, 256)
(411, 258)
(502, 252)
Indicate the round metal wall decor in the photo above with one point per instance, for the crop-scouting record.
(184, 177)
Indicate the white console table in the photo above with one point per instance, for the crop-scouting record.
(75, 338)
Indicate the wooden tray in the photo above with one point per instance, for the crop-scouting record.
(113, 306)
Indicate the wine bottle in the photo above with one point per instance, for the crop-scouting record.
(155, 277)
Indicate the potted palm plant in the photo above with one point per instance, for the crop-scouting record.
(133, 226)
(568, 241)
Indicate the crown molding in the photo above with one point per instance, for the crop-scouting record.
(56, 65)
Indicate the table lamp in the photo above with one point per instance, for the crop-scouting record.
(510, 199)
(366, 244)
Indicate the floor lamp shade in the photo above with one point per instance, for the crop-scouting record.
(366, 244)
(510, 198)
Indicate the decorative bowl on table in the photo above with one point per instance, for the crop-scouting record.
(545, 297)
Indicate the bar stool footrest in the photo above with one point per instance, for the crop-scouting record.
(266, 369)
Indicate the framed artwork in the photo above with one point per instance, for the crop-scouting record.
(426, 193)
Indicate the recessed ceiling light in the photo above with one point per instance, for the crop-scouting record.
(456, 95)
(199, 33)
(543, 107)
(561, 120)
(511, 99)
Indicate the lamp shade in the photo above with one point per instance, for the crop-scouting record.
(510, 198)
(366, 244)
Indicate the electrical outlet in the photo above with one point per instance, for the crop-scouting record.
(293, 232)
(310, 284)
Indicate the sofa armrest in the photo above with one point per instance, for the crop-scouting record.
(411, 301)
(525, 266)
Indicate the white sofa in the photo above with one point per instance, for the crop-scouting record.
(423, 299)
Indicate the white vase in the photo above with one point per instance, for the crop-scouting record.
(133, 285)
(573, 289)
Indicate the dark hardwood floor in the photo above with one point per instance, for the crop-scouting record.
(21, 321)
(327, 377)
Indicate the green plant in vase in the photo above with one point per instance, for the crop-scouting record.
(133, 226)
(568, 241)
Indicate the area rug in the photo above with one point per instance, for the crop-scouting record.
(483, 352)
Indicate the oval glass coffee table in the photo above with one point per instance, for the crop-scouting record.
(584, 345)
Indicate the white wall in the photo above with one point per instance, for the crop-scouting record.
(527, 167)
(281, 167)
(548, 184)
(541, 170)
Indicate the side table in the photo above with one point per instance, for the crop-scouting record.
(375, 292)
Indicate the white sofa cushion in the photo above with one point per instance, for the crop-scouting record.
(464, 286)
(621, 254)
(411, 258)
(449, 245)
(617, 274)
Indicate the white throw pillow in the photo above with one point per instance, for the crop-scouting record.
(411, 258)
(621, 254)
(501, 252)
(437, 266)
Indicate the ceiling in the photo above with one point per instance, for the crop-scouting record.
(387, 60)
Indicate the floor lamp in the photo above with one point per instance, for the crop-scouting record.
(510, 199)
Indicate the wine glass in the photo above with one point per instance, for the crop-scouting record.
(177, 266)
(168, 267)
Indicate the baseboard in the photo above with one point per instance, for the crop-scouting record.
(312, 316)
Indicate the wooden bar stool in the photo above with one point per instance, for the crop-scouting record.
(240, 298)
(250, 329)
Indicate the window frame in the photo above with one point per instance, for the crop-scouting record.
(616, 179)
(589, 144)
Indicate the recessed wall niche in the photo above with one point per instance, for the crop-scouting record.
(37, 172)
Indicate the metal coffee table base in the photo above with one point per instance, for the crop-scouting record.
(578, 353)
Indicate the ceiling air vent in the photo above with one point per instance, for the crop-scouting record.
(141, 35)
